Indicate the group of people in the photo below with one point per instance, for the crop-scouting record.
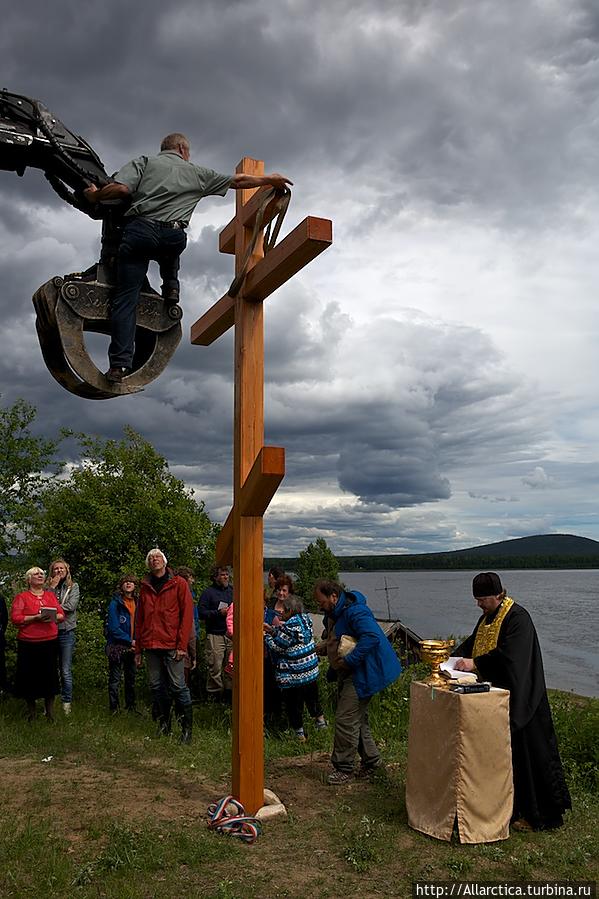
(157, 617)
(361, 661)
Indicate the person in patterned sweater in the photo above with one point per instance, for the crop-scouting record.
(296, 664)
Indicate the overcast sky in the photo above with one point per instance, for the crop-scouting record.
(433, 375)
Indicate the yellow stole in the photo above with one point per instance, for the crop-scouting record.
(488, 634)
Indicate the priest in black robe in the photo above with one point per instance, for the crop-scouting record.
(504, 649)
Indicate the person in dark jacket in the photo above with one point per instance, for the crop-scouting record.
(504, 649)
(164, 621)
(213, 607)
(367, 667)
(120, 643)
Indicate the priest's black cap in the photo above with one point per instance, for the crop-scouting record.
(486, 584)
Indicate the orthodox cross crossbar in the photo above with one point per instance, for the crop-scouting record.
(257, 469)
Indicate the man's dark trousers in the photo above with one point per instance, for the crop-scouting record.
(142, 241)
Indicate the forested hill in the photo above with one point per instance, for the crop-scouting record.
(540, 551)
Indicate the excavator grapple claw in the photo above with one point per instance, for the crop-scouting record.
(67, 309)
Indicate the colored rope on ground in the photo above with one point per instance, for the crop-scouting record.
(237, 824)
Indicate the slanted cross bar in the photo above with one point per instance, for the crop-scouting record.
(257, 469)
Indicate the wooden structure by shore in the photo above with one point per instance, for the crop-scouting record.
(406, 642)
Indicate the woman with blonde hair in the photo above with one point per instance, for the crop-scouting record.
(67, 593)
(36, 613)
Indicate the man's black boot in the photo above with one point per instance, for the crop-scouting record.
(116, 374)
(164, 718)
(186, 723)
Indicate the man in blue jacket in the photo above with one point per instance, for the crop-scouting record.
(213, 607)
(368, 667)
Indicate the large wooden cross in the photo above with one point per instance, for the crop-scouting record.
(258, 469)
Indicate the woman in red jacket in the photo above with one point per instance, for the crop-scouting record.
(36, 613)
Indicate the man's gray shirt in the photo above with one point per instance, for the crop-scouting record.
(167, 188)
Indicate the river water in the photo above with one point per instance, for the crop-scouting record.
(564, 606)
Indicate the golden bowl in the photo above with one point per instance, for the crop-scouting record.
(433, 652)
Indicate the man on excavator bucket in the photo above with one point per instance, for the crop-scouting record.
(69, 306)
(163, 191)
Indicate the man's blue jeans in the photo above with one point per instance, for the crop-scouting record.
(167, 678)
(142, 241)
(66, 645)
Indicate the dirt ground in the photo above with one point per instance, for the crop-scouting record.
(123, 792)
(74, 794)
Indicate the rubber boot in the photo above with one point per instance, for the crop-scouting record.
(164, 717)
(186, 719)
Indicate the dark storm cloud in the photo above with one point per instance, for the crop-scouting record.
(204, 266)
(423, 94)
(457, 109)
(389, 454)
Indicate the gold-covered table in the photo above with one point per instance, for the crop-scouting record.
(459, 764)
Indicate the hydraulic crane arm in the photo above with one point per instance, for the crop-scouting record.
(32, 137)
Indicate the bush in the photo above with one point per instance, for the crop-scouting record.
(576, 722)
(314, 562)
(90, 666)
(389, 711)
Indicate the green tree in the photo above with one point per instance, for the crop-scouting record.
(26, 462)
(314, 562)
(120, 501)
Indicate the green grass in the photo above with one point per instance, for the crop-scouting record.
(64, 833)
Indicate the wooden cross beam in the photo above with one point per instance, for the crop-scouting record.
(257, 469)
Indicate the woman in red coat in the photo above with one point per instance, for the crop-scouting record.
(36, 613)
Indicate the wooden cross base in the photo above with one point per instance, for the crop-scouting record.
(257, 469)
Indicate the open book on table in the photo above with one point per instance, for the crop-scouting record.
(448, 670)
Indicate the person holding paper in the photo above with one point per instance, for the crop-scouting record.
(36, 613)
(213, 608)
(504, 649)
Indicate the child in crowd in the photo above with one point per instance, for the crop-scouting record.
(272, 694)
(296, 663)
(283, 587)
(120, 643)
